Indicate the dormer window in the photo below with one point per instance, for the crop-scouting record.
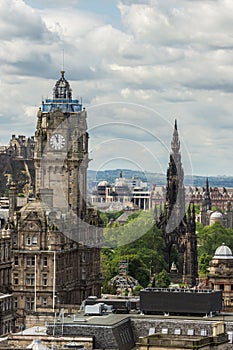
(31, 240)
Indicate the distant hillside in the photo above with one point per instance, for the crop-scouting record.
(214, 181)
(111, 175)
(22, 173)
(157, 178)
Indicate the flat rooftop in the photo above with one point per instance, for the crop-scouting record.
(113, 319)
(104, 320)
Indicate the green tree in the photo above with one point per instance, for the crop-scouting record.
(162, 279)
(139, 242)
(137, 290)
(203, 263)
(108, 217)
(209, 238)
(139, 270)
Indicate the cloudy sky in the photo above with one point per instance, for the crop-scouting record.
(137, 65)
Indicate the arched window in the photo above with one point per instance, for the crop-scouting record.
(34, 240)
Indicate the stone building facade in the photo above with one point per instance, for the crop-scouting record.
(124, 194)
(177, 342)
(7, 316)
(207, 200)
(21, 147)
(219, 197)
(220, 275)
(54, 239)
(5, 259)
(123, 331)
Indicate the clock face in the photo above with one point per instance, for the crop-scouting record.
(57, 141)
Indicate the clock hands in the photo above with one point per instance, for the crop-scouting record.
(57, 141)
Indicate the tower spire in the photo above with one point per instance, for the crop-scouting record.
(175, 175)
(175, 143)
(207, 200)
(178, 228)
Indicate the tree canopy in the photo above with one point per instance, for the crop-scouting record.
(139, 242)
(209, 239)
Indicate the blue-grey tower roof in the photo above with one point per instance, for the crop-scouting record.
(62, 98)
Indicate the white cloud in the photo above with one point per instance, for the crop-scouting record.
(173, 57)
(19, 20)
(180, 22)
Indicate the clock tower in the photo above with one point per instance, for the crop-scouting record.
(61, 150)
(56, 236)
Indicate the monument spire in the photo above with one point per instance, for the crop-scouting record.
(178, 228)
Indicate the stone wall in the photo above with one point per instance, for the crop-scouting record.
(117, 336)
(166, 342)
(141, 326)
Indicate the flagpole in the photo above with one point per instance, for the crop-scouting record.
(54, 277)
(35, 284)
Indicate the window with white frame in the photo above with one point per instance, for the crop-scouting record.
(30, 302)
(30, 260)
(30, 279)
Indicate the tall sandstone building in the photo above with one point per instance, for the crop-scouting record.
(56, 238)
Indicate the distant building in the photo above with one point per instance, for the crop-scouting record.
(19, 147)
(7, 315)
(7, 311)
(158, 196)
(221, 274)
(207, 215)
(219, 341)
(128, 193)
(214, 196)
(215, 203)
(5, 258)
(35, 338)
